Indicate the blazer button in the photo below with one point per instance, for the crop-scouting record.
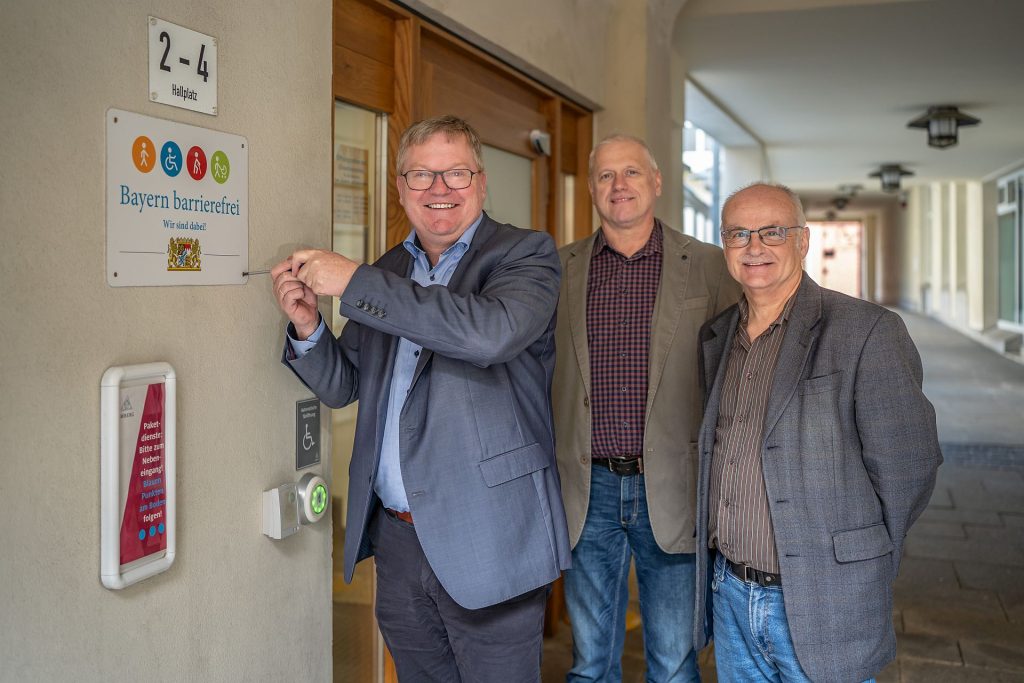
(583, 459)
(586, 401)
(360, 304)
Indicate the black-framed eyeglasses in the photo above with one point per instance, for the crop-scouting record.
(772, 235)
(454, 178)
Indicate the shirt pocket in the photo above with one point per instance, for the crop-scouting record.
(513, 464)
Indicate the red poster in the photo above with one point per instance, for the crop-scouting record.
(143, 524)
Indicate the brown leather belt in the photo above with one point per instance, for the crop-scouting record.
(623, 467)
(404, 516)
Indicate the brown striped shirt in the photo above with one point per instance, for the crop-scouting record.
(740, 523)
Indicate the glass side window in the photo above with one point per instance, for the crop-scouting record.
(1011, 249)
(701, 185)
(359, 163)
(509, 187)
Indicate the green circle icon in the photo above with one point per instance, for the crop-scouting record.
(318, 501)
(220, 167)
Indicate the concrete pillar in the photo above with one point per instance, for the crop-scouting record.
(951, 229)
(912, 282)
(869, 257)
(936, 244)
(645, 83)
(974, 256)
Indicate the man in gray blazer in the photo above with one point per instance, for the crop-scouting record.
(449, 350)
(818, 450)
(627, 408)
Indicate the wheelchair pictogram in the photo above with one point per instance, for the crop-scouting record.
(170, 158)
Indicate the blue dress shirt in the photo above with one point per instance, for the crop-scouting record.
(388, 484)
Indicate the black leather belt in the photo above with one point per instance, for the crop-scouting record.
(751, 575)
(622, 466)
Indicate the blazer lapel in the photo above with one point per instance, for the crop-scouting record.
(796, 347)
(668, 308)
(715, 350)
(577, 272)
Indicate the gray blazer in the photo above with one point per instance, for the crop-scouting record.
(476, 439)
(849, 456)
(694, 287)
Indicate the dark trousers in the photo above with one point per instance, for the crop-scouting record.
(433, 638)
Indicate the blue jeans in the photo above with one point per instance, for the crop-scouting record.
(597, 591)
(752, 641)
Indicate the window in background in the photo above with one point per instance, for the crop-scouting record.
(834, 255)
(509, 187)
(1011, 249)
(701, 185)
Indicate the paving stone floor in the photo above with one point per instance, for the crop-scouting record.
(959, 599)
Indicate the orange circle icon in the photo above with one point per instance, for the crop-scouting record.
(144, 154)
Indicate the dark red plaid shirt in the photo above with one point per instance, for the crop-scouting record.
(620, 305)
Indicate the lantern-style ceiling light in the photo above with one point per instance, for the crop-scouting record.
(942, 123)
(890, 175)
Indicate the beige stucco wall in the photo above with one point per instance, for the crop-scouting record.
(235, 605)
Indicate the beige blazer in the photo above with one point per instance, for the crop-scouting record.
(695, 286)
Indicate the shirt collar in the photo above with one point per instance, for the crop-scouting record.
(744, 307)
(412, 245)
(653, 245)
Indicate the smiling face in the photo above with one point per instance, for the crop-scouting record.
(624, 185)
(440, 215)
(768, 274)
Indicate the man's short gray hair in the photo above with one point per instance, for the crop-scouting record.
(620, 137)
(798, 206)
(451, 127)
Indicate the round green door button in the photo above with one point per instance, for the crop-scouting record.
(319, 499)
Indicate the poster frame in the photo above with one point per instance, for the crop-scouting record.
(112, 574)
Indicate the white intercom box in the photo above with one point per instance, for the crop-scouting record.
(288, 506)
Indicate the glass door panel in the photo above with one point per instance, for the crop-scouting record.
(509, 187)
(359, 163)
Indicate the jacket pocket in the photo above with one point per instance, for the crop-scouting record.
(862, 544)
(819, 385)
(512, 464)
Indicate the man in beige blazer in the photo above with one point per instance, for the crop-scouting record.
(627, 411)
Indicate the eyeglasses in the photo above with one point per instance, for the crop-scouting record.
(454, 179)
(772, 235)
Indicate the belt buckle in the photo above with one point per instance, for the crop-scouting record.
(750, 574)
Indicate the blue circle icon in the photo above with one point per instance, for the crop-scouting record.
(170, 158)
(152, 531)
(160, 528)
(142, 535)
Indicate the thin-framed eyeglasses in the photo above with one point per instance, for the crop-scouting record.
(453, 178)
(772, 235)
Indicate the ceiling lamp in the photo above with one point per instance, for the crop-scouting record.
(890, 175)
(942, 122)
